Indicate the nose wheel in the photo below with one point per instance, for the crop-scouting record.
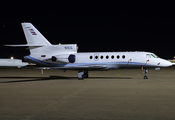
(145, 77)
(145, 73)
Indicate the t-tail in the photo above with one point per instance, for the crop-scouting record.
(33, 36)
(40, 48)
(35, 40)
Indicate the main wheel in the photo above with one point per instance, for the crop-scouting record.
(145, 77)
(81, 78)
(86, 75)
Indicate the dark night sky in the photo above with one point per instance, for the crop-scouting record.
(94, 27)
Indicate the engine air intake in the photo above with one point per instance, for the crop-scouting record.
(54, 59)
(71, 58)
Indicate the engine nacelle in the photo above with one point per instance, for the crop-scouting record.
(65, 58)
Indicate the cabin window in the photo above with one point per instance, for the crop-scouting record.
(123, 56)
(90, 57)
(96, 57)
(118, 56)
(101, 57)
(112, 57)
(107, 57)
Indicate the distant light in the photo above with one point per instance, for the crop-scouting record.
(11, 58)
(174, 57)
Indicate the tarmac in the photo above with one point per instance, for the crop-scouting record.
(26, 94)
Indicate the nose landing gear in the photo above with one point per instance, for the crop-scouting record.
(145, 72)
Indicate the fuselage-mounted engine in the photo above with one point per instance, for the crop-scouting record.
(71, 58)
(65, 58)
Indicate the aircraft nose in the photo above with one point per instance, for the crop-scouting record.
(167, 63)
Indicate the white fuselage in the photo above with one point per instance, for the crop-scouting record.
(112, 60)
(12, 63)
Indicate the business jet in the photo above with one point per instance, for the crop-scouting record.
(12, 63)
(66, 57)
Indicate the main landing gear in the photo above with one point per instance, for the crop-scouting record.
(145, 72)
(82, 75)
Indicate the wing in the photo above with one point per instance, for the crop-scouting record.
(76, 67)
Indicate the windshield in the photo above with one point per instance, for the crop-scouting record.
(151, 56)
(155, 56)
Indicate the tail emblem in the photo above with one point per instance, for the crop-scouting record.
(32, 31)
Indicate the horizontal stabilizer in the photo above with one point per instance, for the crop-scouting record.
(27, 45)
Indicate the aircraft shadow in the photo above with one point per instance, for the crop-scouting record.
(32, 79)
(109, 78)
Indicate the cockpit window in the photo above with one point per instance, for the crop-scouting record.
(155, 56)
(151, 56)
(148, 56)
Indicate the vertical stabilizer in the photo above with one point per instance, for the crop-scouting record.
(33, 36)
